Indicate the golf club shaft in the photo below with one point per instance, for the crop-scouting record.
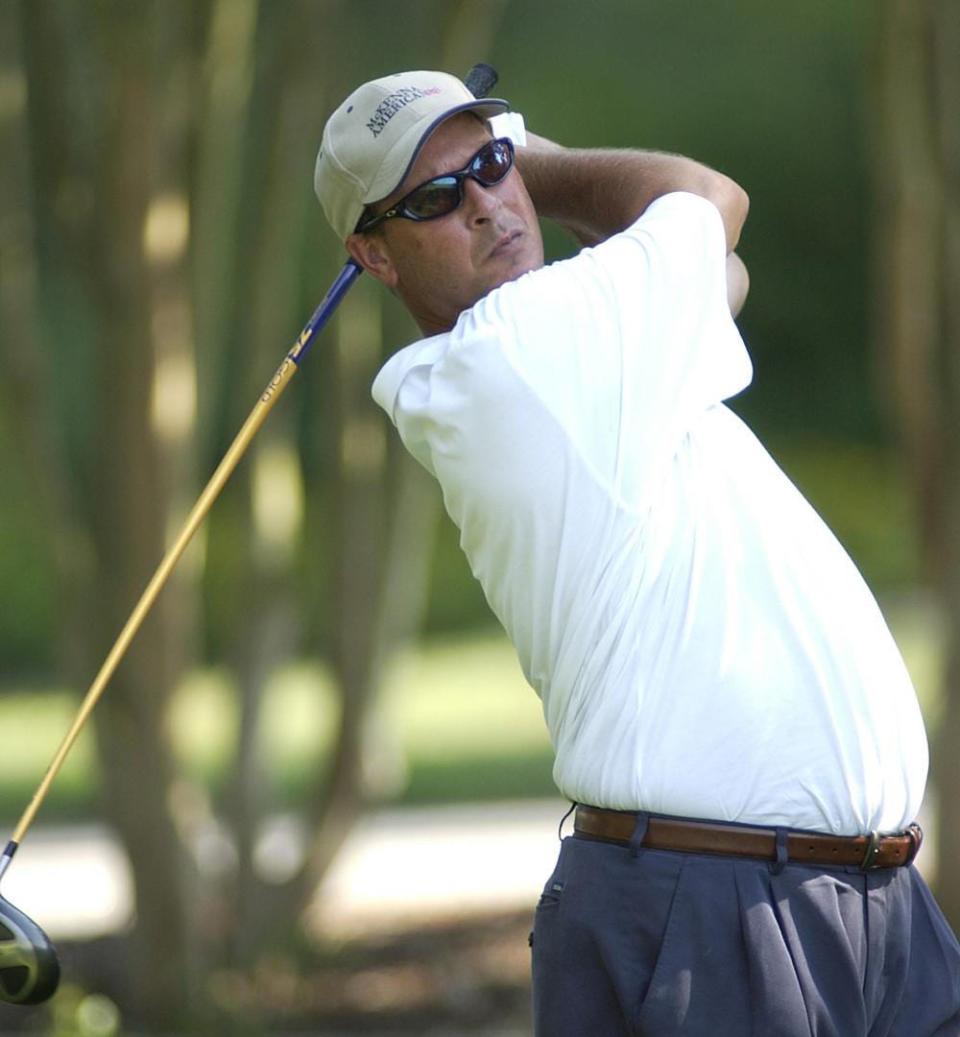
(218, 480)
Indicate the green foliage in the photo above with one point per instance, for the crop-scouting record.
(456, 599)
(77, 1013)
(27, 580)
(456, 723)
(456, 719)
(34, 723)
(775, 95)
(859, 489)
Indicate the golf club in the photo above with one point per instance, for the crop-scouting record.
(29, 970)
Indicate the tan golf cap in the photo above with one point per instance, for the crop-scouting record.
(372, 139)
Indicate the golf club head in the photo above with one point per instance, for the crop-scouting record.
(29, 970)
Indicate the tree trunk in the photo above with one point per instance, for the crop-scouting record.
(917, 176)
(383, 542)
(288, 84)
(946, 47)
(129, 529)
(908, 191)
(26, 366)
(93, 171)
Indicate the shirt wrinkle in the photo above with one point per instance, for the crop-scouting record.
(702, 644)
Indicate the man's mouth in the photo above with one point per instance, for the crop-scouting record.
(506, 244)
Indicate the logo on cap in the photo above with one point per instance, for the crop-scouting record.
(394, 103)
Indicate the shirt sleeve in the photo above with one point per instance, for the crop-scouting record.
(624, 346)
(628, 343)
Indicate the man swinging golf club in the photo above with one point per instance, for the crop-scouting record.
(726, 703)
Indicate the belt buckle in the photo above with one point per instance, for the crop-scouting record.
(873, 852)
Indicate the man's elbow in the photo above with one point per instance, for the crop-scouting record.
(738, 283)
(733, 204)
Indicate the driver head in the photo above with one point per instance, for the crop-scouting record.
(29, 970)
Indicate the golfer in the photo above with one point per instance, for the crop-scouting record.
(727, 706)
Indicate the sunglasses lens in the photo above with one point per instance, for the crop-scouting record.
(493, 162)
(436, 198)
(443, 194)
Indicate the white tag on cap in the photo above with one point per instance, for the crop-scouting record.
(509, 124)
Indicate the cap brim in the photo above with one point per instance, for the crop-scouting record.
(386, 182)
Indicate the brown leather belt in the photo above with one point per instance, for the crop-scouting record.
(663, 833)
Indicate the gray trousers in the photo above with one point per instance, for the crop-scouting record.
(651, 943)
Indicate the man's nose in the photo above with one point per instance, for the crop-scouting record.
(481, 202)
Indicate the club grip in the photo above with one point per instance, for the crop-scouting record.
(481, 79)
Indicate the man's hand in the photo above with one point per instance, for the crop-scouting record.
(597, 193)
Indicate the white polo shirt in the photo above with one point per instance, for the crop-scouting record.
(702, 644)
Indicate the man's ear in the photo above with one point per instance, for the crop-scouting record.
(371, 252)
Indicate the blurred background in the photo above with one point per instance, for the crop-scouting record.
(269, 825)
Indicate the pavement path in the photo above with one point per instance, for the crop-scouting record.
(398, 865)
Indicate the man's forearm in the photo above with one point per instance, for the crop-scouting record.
(596, 193)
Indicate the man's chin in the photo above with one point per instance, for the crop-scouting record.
(505, 269)
(505, 277)
(514, 265)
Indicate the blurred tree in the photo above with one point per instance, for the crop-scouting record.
(27, 411)
(917, 174)
(168, 158)
(376, 502)
(92, 170)
(170, 203)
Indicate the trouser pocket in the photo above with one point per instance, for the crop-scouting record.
(598, 930)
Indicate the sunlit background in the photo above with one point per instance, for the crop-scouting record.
(316, 797)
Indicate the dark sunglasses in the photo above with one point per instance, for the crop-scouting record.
(443, 194)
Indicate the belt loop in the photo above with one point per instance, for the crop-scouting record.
(573, 806)
(781, 861)
(639, 833)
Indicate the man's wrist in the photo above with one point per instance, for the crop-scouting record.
(509, 124)
(538, 143)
